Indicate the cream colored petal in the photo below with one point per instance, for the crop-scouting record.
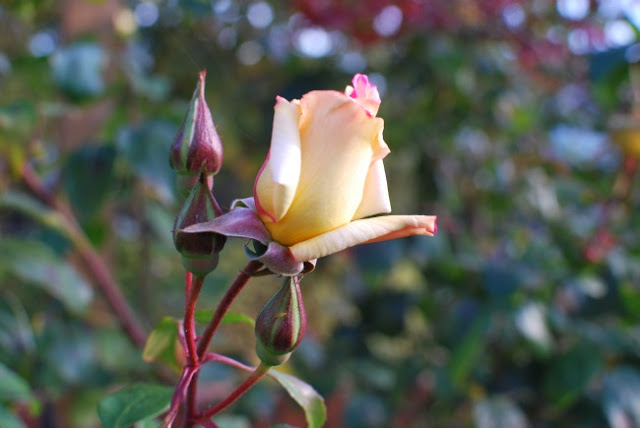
(276, 185)
(364, 231)
(339, 143)
(375, 197)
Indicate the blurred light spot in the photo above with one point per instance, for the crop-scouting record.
(314, 42)
(260, 14)
(5, 64)
(146, 14)
(619, 33)
(388, 21)
(353, 62)
(530, 320)
(222, 6)
(380, 81)
(250, 53)
(227, 38)
(573, 9)
(578, 40)
(610, 9)
(578, 146)
(632, 10)
(227, 11)
(278, 41)
(42, 44)
(124, 22)
(513, 15)
(570, 98)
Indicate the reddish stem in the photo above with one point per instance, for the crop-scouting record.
(240, 281)
(213, 357)
(189, 320)
(188, 277)
(254, 377)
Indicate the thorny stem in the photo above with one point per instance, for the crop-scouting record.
(98, 269)
(257, 374)
(241, 280)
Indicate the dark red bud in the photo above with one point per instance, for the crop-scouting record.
(281, 324)
(199, 250)
(197, 146)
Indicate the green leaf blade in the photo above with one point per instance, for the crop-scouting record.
(308, 398)
(132, 404)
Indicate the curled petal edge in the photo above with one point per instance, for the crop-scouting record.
(365, 231)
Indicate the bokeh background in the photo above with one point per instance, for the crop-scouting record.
(511, 120)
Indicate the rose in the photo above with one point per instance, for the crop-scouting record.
(322, 181)
(324, 174)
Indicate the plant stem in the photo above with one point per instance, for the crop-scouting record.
(98, 269)
(241, 280)
(189, 320)
(257, 374)
(192, 287)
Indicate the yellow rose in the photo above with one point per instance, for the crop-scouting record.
(324, 174)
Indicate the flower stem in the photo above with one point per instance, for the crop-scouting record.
(189, 320)
(254, 377)
(241, 280)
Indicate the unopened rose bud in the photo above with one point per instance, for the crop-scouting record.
(199, 250)
(197, 146)
(281, 324)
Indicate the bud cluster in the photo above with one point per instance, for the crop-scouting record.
(196, 155)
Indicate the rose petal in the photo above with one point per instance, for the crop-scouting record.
(375, 197)
(339, 143)
(364, 93)
(363, 232)
(277, 181)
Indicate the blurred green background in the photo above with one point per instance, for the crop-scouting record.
(524, 310)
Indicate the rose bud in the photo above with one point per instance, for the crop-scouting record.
(281, 324)
(199, 250)
(197, 146)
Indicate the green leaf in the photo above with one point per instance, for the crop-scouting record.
(88, 176)
(203, 316)
(163, 344)
(9, 420)
(36, 263)
(567, 378)
(12, 386)
(133, 404)
(36, 210)
(308, 398)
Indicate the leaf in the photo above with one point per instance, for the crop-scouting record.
(163, 344)
(35, 263)
(568, 377)
(308, 398)
(133, 404)
(12, 387)
(88, 176)
(203, 316)
(36, 210)
(145, 148)
(9, 420)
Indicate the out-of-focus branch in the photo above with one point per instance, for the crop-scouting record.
(99, 271)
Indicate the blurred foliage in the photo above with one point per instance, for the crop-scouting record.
(522, 311)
